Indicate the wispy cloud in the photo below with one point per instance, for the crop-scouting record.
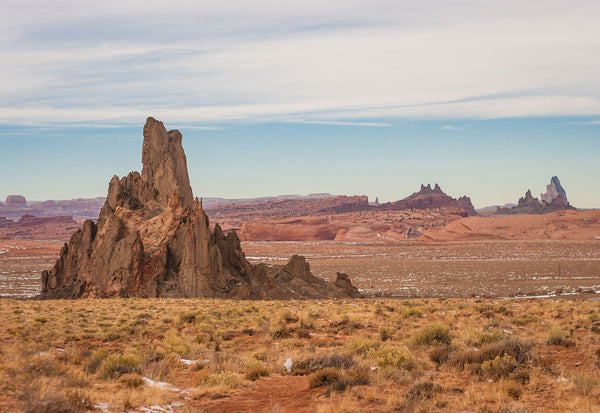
(451, 128)
(351, 63)
(341, 123)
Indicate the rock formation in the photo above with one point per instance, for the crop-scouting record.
(553, 191)
(5, 222)
(15, 200)
(531, 205)
(431, 198)
(152, 239)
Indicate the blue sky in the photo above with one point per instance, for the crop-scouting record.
(486, 98)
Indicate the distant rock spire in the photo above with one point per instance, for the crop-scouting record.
(553, 190)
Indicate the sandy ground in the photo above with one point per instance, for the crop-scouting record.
(449, 269)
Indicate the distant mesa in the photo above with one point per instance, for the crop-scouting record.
(152, 239)
(15, 200)
(554, 199)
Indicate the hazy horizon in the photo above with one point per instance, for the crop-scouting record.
(487, 99)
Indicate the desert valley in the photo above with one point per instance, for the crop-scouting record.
(151, 300)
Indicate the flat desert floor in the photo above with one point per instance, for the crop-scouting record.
(449, 269)
(465, 269)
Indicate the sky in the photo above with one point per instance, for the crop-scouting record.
(486, 98)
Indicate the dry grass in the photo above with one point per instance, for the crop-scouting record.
(377, 355)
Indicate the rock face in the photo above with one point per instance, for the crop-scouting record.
(553, 191)
(15, 200)
(152, 239)
(431, 198)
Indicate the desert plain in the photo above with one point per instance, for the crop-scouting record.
(495, 325)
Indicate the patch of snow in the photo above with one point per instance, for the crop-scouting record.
(288, 365)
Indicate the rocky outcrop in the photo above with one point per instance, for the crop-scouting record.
(298, 282)
(5, 222)
(553, 191)
(152, 239)
(15, 200)
(531, 205)
(428, 198)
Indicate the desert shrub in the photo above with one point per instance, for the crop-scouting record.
(226, 378)
(440, 354)
(337, 379)
(286, 316)
(319, 362)
(395, 356)
(385, 333)
(255, 371)
(95, 361)
(524, 319)
(361, 345)
(434, 333)
(281, 332)
(131, 380)
(156, 370)
(43, 365)
(584, 384)
(514, 391)
(477, 337)
(423, 390)
(118, 365)
(175, 343)
(500, 366)
(260, 355)
(518, 349)
(412, 312)
(558, 336)
(303, 332)
(187, 317)
(324, 377)
(55, 401)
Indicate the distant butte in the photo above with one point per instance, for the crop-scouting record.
(428, 198)
(152, 239)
